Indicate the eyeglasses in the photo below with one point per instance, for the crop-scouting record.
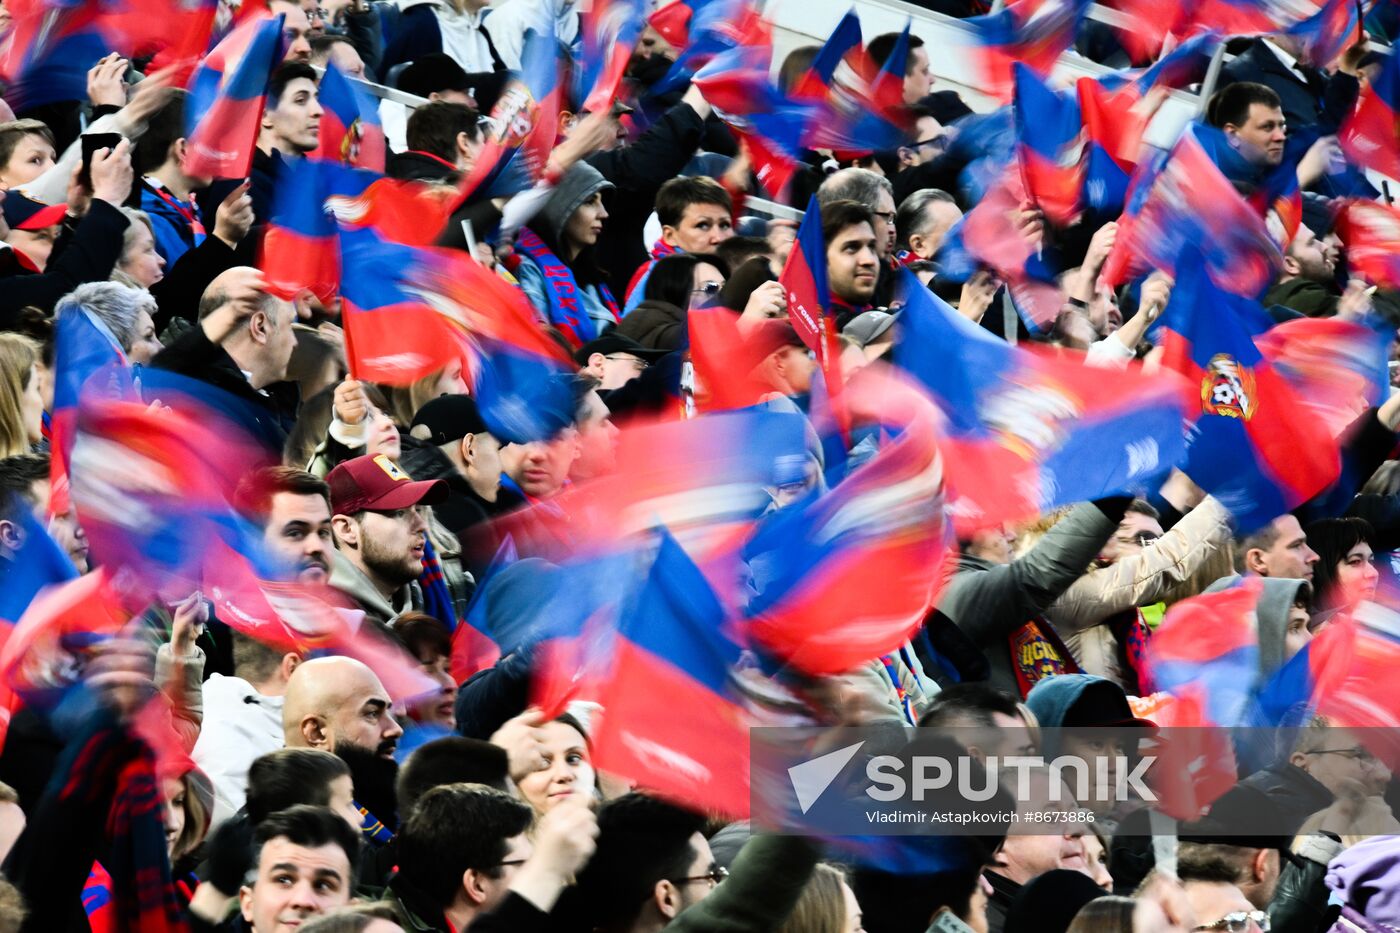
(1239, 921)
(1141, 539)
(640, 364)
(707, 288)
(886, 216)
(714, 876)
(1355, 754)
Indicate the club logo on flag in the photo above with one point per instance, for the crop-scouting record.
(1228, 388)
(1030, 420)
(515, 114)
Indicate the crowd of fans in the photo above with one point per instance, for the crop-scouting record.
(308, 799)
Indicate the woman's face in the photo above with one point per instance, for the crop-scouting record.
(173, 790)
(567, 770)
(145, 345)
(383, 436)
(37, 245)
(586, 223)
(853, 921)
(707, 283)
(439, 709)
(141, 261)
(451, 382)
(32, 157)
(31, 407)
(1356, 575)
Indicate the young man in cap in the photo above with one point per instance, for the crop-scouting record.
(614, 360)
(381, 533)
(449, 441)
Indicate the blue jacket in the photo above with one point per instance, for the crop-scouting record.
(174, 235)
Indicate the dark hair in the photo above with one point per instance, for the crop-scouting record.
(434, 126)
(321, 45)
(253, 660)
(291, 777)
(420, 632)
(453, 759)
(796, 65)
(1230, 105)
(673, 277)
(1332, 538)
(311, 827)
(969, 701)
(1213, 862)
(738, 250)
(163, 129)
(1108, 914)
(1143, 507)
(256, 490)
(838, 215)
(453, 828)
(909, 218)
(641, 840)
(891, 903)
(18, 474)
(285, 74)
(881, 48)
(352, 918)
(679, 193)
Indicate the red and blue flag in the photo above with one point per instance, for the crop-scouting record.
(87, 362)
(1049, 146)
(1370, 137)
(1032, 32)
(1031, 431)
(1371, 232)
(1250, 446)
(227, 96)
(1208, 647)
(609, 30)
(350, 129)
(299, 250)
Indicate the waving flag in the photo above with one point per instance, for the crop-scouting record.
(1250, 447)
(87, 361)
(1371, 232)
(1370, 137)
(1182, 201)
(227, 97)
(609, 30)
(809, 301)
(816, 83)
(1033, 32)
(350, 129)
(672, 644)
(1031, 431)
(1338, 368)
(715, 27)
(1114, 123)
(1049, 146)
(526, 117)
(298, 251)
(1208, 646)
(1326, 34)
(811, 611)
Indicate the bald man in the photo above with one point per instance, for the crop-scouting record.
(339, 705)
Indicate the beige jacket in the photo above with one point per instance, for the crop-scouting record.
(1140, 580)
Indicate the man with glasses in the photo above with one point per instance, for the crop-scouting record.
(873, 192)
(466, 850)
(1222, 907)
(1101, 616)
(381, 535)
(614, 360)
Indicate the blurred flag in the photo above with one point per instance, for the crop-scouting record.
(1338, 368)
(1370, 137)
(526, 122)
(227, 95)
(1032, 32)
(808, 298)
(1371, 233)
(1031, 431)
(609, 30)
(1207, 647)
(1251, 445)
(672, 644)
(1181, 201)
(350, 129)
(299, 248)
(1327, 33)
(87, 361)
(816, 83)
(1049, 146)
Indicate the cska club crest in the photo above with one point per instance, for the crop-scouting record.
(1228, 389)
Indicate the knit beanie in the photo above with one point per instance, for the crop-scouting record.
(579, 184)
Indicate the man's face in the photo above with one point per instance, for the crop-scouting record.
(918, 77)
(296, 30)
(1135, 532)
(362, 718)
(884, 224)
(295, 123)
(1212, 901)
(618, 368)
(540, 468)
(345, 58)
(1338, 760)
(1309, 258)
(293, 883)
(1262, 136)
(1289, 556)
(518, 850)
(597, 440)
(702, 866)
(281, 338)
(483, 456)
(651, 43)
(315, 17)
(702, 228)
(1297, 635)
(940, 216)
(299, 531)
(392, 544)
(1031, 851)
(852, 264)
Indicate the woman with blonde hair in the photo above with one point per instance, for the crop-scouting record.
(827, 905)
(21, 403)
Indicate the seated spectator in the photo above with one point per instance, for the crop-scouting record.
(450, 442)
(32, 229)
(327, 49)
(1279, 549)
(827, 904)
(696, 216)
(21, 404)
(854, 256)
(737, 250)
(922, 221)
(443, 139)
(166, 190)
(1307, 282)
(686, 280)
(306, 859)
(1346, 565)
(451, 760)
(381, 533)
(565, 769)
(1219, 905)
(1307, 96)
(918, 77)
(24, 483)
(454, 28)
(26, 151)
(296, 30)
(458, 852)
(614, 360)
(432, 717)
(986, 721)
(374, 917)
(124, 311)
(849, 291)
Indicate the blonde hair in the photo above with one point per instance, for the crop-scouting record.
(18, 354)
(822, 906)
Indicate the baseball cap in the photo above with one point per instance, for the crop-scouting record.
(448, 418)
(616, 343)
(865, 328)
(24, 213)
(377, 484)
(433, 73)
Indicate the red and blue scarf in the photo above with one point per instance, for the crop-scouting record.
(566, 309)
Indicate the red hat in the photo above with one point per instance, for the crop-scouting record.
(673, 22)
(24, 213)
(376, 484)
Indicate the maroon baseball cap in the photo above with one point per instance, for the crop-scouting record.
(377, 484)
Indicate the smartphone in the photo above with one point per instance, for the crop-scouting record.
(92, 143)
(945, 921)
